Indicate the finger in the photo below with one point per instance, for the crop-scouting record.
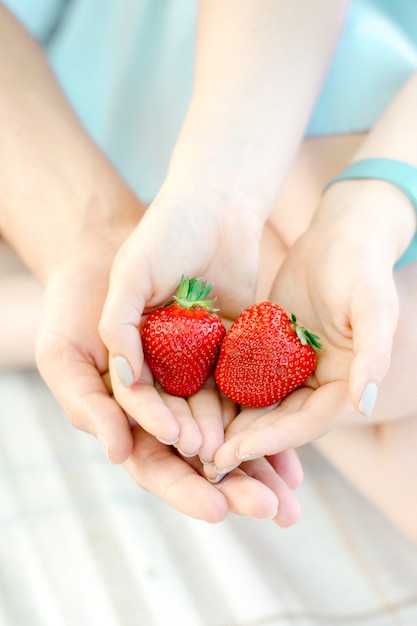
(229, 410)
(289, 509)
(253, 491)
(207, 410)
(288, 466)
(249, 416)
(251, 420)
(235, 430)
(80, 390)
(313, 420)
(287, 426)
(146, 406)
(373, 326)
(129, 289)
(189, 439)
(159, 470)
(247, 495)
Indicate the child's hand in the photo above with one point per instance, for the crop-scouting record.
(192, 237)
(228, 165)
(338, 280)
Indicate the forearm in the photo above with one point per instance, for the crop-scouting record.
(57, 189)
(382, 208)
(259, 68)
(394, 135)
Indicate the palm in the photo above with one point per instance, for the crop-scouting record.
(219, 250)
(350, 302)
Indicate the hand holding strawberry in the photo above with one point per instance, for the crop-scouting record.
(183, 228)
(351, 301)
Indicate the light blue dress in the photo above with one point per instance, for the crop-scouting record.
(127, 65)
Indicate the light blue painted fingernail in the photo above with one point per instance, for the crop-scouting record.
(123, 370)
(368, 399)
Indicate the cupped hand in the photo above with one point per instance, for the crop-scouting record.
(338, 280)
(188, 236)
(184, 476)
(70, 354)
(74, 362)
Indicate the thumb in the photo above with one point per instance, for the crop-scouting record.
(121, 316)
(374, 320)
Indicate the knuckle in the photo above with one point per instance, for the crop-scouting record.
(383, 358)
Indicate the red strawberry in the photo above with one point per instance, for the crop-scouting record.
(264, 356)
(181, 341)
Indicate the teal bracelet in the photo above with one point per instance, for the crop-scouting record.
(400, 174)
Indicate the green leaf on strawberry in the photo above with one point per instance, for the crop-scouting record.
(305, 336)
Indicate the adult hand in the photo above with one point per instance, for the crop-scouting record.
(263, 489)
(226, 170)
(194, 237)
(70, 353)
(74, 362)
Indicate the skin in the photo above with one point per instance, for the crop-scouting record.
(351, 301)
(215, 184)
(67, 233)
(214, 190)
(384, 469)
(362, 312)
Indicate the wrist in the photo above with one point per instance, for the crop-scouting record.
(234, 157)
(373, 212)
(95, 230)
(218, 178)
(217, 206)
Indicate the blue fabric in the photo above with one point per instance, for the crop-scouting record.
(402, 175)
(376, 55)
(127, 68)
(39, 16)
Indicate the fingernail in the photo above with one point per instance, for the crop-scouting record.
(249, 457)
(217, 479)
(168, 443)
(368, 399)
(207, 463)
(187, 454)
(123, 370)
(227, 470)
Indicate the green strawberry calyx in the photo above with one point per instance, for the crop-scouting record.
(305, 336)
(193, 292)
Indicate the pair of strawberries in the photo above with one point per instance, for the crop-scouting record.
(260, 360)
